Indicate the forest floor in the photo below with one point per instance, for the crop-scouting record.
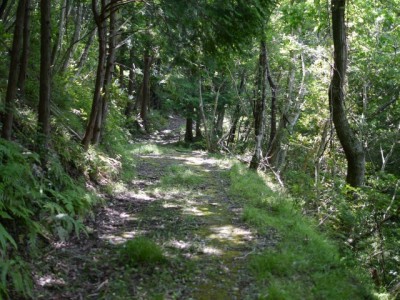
(178, 199)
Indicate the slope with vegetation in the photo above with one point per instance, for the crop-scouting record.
(304, 93)
(190, 225)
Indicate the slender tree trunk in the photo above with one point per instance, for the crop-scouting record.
(3, 7)
(247, 130)
(45, 76)
(7, 13)
(237, 112)
(121, 77)
(199, 135)
(385, 158)
(85, 52)
(189, 124)
(25, 50)
(212, 137)
(220, 121)
(352, 147)
(75, 38)
(131, 93)
(60, 33)
(289, 117)
(259, 108)
(273, 87)
(100, 74)
(131, 86)
(102, 114)
(203, 116)
(319, 155)
(11, 94)
(233, 129)
(145, 93)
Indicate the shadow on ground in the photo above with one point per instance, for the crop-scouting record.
(181, 202)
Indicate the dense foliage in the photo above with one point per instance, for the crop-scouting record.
(119, 67)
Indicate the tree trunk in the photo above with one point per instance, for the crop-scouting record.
(211, 133)
(237, 112)
(45, 76)
(319, 156)
(199, 135)
(203, 116)
(385, 158)
(131, 86)
(220, 121)
(102, 114)
(60, 33)
(25, 50)
(8, 14)
(75, 38)
(121, 77)
(100, 74)
(145, 92)
(289, 117)
(3, 7)
(352, 147)
(233, 129)
(189, 124)
(85, 52)
(259, 107)
(273, 101)
(11, 94)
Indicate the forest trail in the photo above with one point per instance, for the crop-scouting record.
(179, 200)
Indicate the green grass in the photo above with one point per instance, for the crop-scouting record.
(304, 264)
(141, 251)
(180, 175)
(145, 149)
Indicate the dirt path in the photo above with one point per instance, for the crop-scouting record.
(181, 202)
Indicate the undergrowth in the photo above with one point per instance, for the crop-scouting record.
(141, 251)
(304, 264)
(34, 202)
(40, 203)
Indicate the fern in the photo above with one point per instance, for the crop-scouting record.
(6, 238)
(39, 202)
(15, 271)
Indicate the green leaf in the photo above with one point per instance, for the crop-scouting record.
(5, 236)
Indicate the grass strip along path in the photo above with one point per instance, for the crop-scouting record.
(191, 226)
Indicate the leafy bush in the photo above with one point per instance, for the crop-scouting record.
(366, 222)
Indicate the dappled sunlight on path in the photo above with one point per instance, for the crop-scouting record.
(202, 228)
(180, 201)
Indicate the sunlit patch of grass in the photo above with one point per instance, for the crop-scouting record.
(171, 193)
(250, 187)
(179, 175)
(252, 216)
(304, 264)
(141, 251)
(145, 149)
(225, 163)
(128, 173)
(113, 188)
